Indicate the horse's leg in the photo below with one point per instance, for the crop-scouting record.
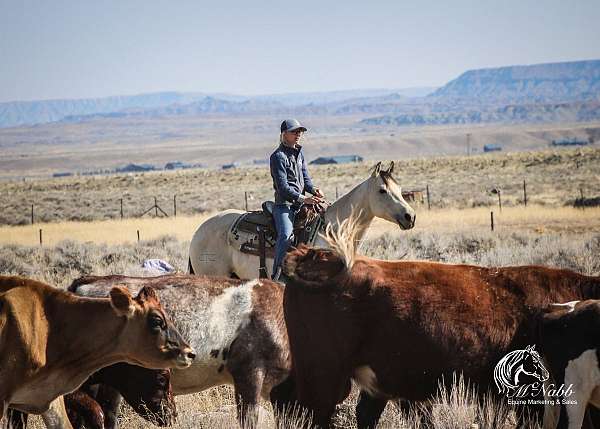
(56, 416)
(369, 410)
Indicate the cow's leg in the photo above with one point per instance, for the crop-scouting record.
(56, 416)
(84, 411)
(16, 419)
(321, 393)
(110, 401)
(369, 410)
(283, 397)
(248, 385)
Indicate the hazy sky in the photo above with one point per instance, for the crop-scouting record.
(77, 49)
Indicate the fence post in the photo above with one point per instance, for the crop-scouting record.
(155, 208)
(138, 234)
(428, 200)
(41, 242)
(246, 200)
(32, 214)
(121, 208)
(500, 199)
(525, 192)
(492, 219)
(174, 205)
(336, 193)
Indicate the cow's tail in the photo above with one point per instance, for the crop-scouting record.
(190, 268)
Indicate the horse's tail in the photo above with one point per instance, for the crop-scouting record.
(190, 268)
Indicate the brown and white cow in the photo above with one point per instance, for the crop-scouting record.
(570, 343)
(237, 328)
(398, 327)
(51, 341)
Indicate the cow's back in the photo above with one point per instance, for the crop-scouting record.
(213, 313)
(24, 329)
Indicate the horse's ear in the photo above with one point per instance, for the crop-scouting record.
(529, 348)
(376, 169)
(391, 168)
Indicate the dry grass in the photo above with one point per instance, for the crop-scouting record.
(554, 178)
(108, 232)
(538, 219)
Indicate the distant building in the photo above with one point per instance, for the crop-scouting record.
(134, 168)
(228, 166)
(175, 165)
(260, 161)
(62, 174)
(570, 142)
(341, 159)
(492, 148)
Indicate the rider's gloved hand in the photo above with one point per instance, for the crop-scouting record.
(313, 200)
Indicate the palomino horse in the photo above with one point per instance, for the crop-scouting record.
(378, 196)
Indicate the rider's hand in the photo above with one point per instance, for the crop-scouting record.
(318, 193)
(313, 200)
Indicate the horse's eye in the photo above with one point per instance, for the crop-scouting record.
(383, 191)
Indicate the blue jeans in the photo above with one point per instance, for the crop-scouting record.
(284, 224)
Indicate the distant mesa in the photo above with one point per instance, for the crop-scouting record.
(555, 92)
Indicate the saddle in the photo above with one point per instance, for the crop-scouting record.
(254, 232)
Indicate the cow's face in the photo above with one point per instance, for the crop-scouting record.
(149, 392)
(385, 198)
(155, 342)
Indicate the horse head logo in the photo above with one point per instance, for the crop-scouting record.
(519, 368)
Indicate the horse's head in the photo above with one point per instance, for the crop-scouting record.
(385, 198)
(532, 364)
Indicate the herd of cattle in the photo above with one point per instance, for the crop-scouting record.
(394, 327)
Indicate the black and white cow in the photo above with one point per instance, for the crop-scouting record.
(570, 343)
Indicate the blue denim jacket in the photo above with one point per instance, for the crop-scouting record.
(290, 176)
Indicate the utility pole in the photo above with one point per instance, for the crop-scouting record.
(468, 144)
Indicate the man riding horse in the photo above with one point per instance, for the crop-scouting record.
(290, 181)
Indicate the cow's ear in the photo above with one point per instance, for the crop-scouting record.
(147, 293)
(122, 302)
